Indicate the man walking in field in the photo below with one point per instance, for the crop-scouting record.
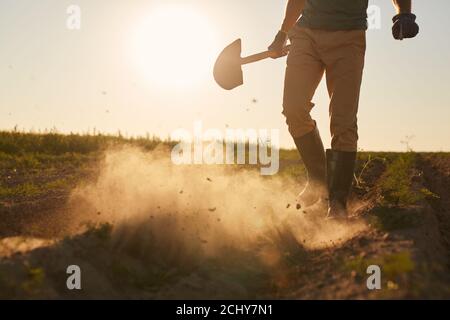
(330, 38)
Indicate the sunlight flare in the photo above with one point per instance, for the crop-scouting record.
(174, 47)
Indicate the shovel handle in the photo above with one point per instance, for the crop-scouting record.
(261, 56)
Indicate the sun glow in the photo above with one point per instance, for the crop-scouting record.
(175, 46)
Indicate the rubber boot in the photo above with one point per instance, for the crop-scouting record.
(340, 171)
(312, 152)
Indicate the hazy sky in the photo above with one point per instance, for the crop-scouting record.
(99, 77)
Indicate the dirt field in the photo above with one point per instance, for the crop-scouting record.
(140, 227)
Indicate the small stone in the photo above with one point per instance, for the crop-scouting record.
(299, 206)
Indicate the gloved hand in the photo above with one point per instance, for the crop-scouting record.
(278, 45)
(405, 26)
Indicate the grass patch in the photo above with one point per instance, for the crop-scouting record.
(41, 161)
(397, 264)
(396, 183)
(394, 218)
(34, 281)
(23, 190)
(53, 143)
(31, 189)
(392, 266)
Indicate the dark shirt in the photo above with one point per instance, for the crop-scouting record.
(335, 14)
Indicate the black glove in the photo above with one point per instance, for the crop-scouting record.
(405, 26)
(277, 46)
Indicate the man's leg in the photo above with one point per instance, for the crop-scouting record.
(303, 74)
(344, 68)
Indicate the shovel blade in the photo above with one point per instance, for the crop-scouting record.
(228, 69)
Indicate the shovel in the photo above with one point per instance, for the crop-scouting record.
(228, 67)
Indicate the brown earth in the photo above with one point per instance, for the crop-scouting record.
(172, 249)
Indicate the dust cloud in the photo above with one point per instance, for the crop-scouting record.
(187, 212)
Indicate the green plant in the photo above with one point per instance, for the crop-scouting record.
(387, 218)
(35, 278)
(396, 184)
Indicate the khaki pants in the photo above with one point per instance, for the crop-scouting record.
(338, 54)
